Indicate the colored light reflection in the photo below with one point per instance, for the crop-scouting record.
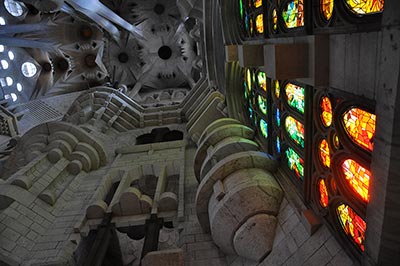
(353, 225)
(360, 126)
(260, 24)
(262, 80)
(295, 163)
(323, 193)
(257, 3)
(295, 97)
(293, 14)
(358, 178)
(262, 104)
(326, 111)
(295, 130)
(324, 153)
(362, 7)
(327, 8)
(264, 128)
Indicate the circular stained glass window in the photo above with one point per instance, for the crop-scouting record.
(28, 69)
(14, 8)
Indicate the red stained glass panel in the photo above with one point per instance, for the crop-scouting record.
(353, 225)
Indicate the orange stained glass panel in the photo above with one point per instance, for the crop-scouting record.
(323, 193)
(358, 178)
(353, 225)
(324, 153)
(365, 6)
(327, 8)
(326, 111)
(360, 126)
(260, 24)
(257, 3)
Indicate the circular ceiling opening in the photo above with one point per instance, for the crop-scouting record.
(90, 60)
(123, 57)
(159, 9)
(165, 52)
(63, 64)
(85, 32)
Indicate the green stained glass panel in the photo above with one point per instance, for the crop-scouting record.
(295, 163)
(262, 104)
(295, 97)
(264, 128)
(295, 130)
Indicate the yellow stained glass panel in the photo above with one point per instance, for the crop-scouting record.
(327, 8)
(260, 24)
(365, 6)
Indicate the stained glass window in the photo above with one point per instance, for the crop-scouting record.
(278, 117)
(28, 69)
(264, 128)
(293, 14)
(247, 22)
(14, 7)
(274, 20)
(336, 141)
(277, 89)
(324, 153)
(327, 8)
(278, 145)
(326, 111)
(251, 113)
(295, 97)
(241, 9)
(295, 163)
(260, 24)
(323, 193)
(295, 130)
(365, 6)
(249, 79)
(257, 3)
(358, 177)
(353, 225)
(360, 126)
(251, 26)
(262, 80)
(262, 104)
